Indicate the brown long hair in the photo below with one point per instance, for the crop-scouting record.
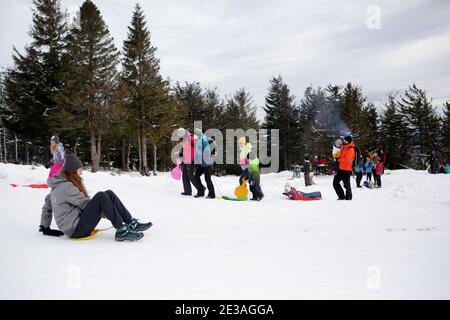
(73, 177)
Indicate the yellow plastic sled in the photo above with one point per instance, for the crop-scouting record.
(93, 234)
(241, 191)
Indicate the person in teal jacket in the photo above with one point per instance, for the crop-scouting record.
(203, 165)
(368, 167)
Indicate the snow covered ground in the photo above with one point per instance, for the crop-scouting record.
(391, 243)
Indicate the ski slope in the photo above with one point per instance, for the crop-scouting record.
(389, 243)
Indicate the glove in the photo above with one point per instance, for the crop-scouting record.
(49, 232)
(48, 165)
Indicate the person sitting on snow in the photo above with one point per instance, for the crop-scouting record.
(77, 215)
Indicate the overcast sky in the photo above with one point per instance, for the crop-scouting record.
(243, 43)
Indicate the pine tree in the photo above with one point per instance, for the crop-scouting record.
(239, 113)
(33, 81)
(314, 124)
(85, 99)
(214, 109)
(394, 135)
(149, 98)
(190, 97)
(283, 114)
(422, 121)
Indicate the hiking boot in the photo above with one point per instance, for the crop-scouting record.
(186, 194)
(211, 196)
(126, 234)
(199, 195)
(137, 226)
(258, 197)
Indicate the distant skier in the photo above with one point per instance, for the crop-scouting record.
(204, 163)
(346, 157)
(77, 215)
(249, 163)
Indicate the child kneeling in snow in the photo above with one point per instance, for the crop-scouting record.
(77, 215)
(293, 194)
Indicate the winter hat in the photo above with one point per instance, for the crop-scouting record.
(349, 139)
(181, 132)
(55, 138)
(198, 131)
(287, 187)
(71, 162)
(338, 142)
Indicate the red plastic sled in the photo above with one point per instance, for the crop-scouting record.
(34, 186)
(303, 198)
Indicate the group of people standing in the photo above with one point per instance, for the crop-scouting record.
(347, 157)
(372, 165)
(197, 159)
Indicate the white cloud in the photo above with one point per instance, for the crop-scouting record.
(236, 43)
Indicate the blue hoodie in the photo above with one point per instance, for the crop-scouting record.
(369, 166)
(202, 150)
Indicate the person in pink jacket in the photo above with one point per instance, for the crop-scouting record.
(378, 172)
(187, 156)
(57, 161)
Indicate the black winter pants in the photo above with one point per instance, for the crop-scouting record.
(343, 176)
(307, 180)
(103, 204)
(358, 178)
(188, 178)
(377, 179)
(201, 189)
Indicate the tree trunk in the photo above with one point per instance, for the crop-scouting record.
(154, 159)
(16, 155)
(5, 159)
(75, 147)
(128, 155)
(139, 148)
(123, 156)
(95, 151)
(27, 153)
(144, 167)
(1, 147)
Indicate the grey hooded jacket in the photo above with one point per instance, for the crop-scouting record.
(65, 202)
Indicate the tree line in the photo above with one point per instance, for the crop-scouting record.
(115, 110)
